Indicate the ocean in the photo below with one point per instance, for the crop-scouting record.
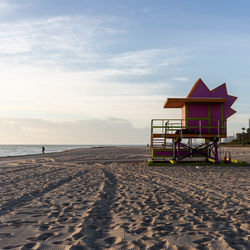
(15, 150)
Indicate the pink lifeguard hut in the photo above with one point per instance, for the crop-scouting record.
(204, 116)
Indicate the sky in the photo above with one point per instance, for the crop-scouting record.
(97, 72)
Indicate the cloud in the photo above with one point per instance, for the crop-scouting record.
(6, 7)
(63, 41)
(181, 79)
(154, 58)
(37, 92)
(57, 69)
(73, 43)
(151, 66)
(55, 61)
(97, 131)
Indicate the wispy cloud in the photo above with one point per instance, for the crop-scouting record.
(158, 58)
(58, 68)
(181, 79)
(55, 52)
(58, 41)
(147, 66)
(78, 43)
(62, 95)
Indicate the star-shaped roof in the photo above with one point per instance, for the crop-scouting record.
(200, 90)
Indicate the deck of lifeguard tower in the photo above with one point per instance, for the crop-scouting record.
(166, 133)
(176, 128)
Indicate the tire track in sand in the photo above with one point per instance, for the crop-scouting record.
(16, 169)
(54, 217)
(28, 197)
(208, 190)
(92, 231)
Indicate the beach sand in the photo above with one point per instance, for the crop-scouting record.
(108, 198)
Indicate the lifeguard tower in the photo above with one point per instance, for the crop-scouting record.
(204, 116)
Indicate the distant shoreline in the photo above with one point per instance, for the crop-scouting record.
(12, 150)
(66, 150)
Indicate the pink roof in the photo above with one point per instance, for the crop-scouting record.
(201, 93)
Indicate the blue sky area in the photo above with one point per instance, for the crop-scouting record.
(78, 65)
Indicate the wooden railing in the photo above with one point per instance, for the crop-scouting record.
(188, 126)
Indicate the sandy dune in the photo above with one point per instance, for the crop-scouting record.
(109, 198)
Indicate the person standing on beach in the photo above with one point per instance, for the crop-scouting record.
(43, 149)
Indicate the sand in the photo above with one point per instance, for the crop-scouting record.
(108, 198)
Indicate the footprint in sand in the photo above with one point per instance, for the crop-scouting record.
(30, 245)
(112, 240)
(141, 230)
(45, 236)
(43, 227)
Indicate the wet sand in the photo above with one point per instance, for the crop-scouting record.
(109, 198)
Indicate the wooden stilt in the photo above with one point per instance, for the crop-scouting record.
(178, 151)
(216, 152)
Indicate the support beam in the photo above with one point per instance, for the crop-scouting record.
(216, 152)
(178, 151)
